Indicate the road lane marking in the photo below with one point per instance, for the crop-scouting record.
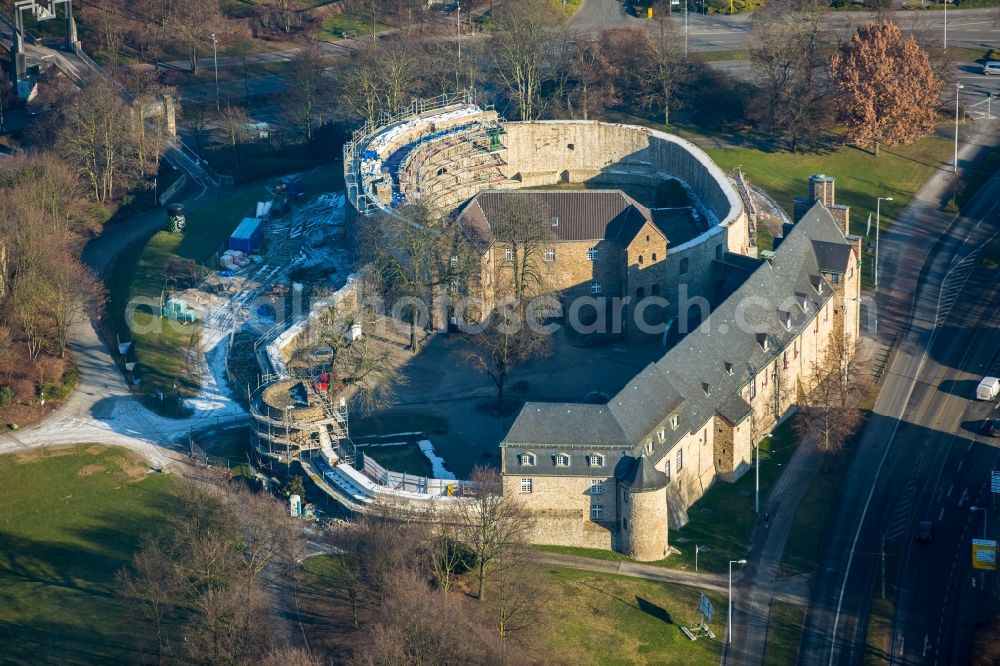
(941, 514)
(950, 488)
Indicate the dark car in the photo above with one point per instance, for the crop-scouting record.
(925, 531)
(990, 428)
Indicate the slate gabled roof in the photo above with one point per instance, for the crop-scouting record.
(583, 215)
(704, 373)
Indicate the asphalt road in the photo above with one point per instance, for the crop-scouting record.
(916, 460)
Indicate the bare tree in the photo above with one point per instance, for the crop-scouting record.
(786, 53)
(150, 585)
(520, 48)
(666, 69)
(71, 291)
(831, 405)
(268, 536)
(308, 79)
(491, 524)
(592, 72)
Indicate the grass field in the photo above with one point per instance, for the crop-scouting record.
(606, 619)
(339, 26)
(69, 519)
(861, 177)
(784, 633)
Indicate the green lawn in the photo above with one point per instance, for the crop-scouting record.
(861, 177)
(339, 26)
(723, 519)
(70, 518)
(605, 619)
(784, 633)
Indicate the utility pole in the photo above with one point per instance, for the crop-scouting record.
(945, 25)
(958, 86)
(458, 24)
(215, 56)
(883, 566)
(686, 10)
(878, 223)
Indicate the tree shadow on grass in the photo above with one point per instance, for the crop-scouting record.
(652, 609)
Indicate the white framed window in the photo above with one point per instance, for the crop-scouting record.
(550, 254)
(674, 421)
(562, 460)
(526, 485)
(595, 460)
(753, 388)
(649, 445)
(555, 221)
(595, 287)
(597, 487)
(593, 254)
(680, 460)
(528, 459)
(662, 434)
(666, 470)
(454, 260)
(596, 511)
(509, 253)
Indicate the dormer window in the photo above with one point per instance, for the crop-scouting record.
(595, 460)
(706, 388)
(817, 283)
(786, 319)
(674, 421)
(662, 434)
(562, 460)
(803, 303)
(649, 446)
(527, 459)
(762, 341)
(729, 368)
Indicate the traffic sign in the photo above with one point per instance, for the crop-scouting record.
(995, 481)
(984, 554)
(706, 608)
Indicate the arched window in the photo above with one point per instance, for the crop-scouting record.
(684, 265)
(595, 460)
(640, 292)
(561, 459)
(527, 459)
(654, 256)
(640, 260)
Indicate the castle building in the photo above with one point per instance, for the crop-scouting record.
(619, 475)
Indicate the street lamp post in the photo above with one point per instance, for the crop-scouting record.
(697, 549)
(729, 621)
(687, 5)
(458, 25)
(215, 57)
(958, 86)
(945, 25)
(878, 223)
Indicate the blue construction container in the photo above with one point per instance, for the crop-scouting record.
(248, 235)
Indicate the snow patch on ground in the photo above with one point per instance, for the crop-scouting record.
(437, 462)
(215, 396)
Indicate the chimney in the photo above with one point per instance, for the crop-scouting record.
(821, 189)
(842, 215)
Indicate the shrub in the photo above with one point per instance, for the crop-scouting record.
(6, 395)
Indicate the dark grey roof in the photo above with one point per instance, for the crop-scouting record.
(704, 373)
(831, 257)
(639, 474)
(558, 423)
(579, 462)
(582, 214)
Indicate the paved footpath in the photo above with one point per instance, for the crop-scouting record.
(705, 581)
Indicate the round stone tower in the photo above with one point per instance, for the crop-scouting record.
(642, 532)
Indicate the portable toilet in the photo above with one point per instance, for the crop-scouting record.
(248, 235)
(295, 506)
(175, 217)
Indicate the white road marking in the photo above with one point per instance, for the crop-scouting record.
(950, 488)
(941, 514)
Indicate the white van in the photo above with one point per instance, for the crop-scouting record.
(992, 67)
(988, 388)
